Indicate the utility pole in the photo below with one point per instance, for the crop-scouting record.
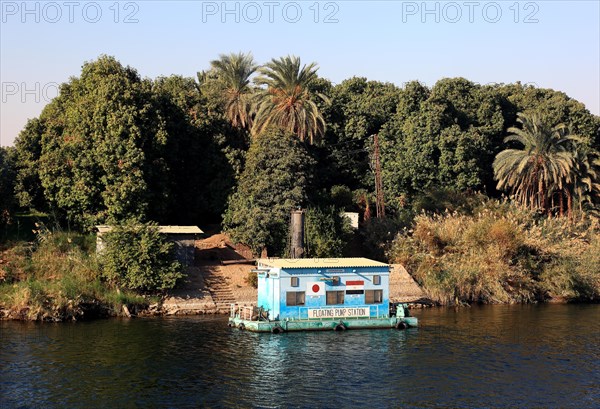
(297, 227)
(379, 202)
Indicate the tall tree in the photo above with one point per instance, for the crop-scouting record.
(361, 109)
(287, 101)
(200, 174)
(233, 73)
(445, 137)
(542, 166)
(102, 148)
(272, 184)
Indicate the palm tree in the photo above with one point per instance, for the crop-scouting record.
(233, 73)
(287, 101)
(586, 183)
(542, 167)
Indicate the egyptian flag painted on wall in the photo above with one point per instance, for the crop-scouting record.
(355, 285)
(315, 288)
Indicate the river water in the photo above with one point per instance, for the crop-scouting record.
(539, 356)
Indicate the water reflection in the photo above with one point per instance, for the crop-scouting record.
(497, 356)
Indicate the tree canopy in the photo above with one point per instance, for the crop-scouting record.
(114, 146)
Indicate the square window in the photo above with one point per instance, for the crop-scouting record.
(373, 296)
(295, 282)
(293, 298)
(377, 280)
(335, 297)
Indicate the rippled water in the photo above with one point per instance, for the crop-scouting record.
(545, 356)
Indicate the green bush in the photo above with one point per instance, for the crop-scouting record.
(251, 279)
(327, 232)
(273, 183)
(136, 256)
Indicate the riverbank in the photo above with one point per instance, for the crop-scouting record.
(451, 260)
(59, 279)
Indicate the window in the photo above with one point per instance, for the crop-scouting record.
(335, 297)
(373, 296)
(295, 282)
(377, 280)
(293, 298)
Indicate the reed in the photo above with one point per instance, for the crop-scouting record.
(501, 253)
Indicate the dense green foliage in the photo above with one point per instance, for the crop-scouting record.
(100, 136)
(273, 183)
(542, 168)
(443, 137)
(7, 184)
(203, 155)
(327, 232)
(113, 146)
(137, 257)
(28, 187)
(358, 109)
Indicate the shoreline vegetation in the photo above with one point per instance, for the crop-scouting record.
(242, 144)
(498, 253)
(58, 278)
(486, 252)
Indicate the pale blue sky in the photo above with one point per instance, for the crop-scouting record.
(554, 44)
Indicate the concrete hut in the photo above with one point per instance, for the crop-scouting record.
(184, 238)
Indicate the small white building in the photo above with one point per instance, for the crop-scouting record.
(353, 217)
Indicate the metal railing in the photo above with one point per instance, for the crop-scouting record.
(245, 312)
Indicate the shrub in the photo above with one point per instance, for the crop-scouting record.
(136, 256)
(252, 279)
(326, 232)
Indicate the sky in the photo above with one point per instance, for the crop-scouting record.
(549, 44)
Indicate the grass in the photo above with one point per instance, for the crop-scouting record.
(499, 253)
(58, 278)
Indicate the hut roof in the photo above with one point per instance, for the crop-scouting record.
(162, 229)
(288, 263)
